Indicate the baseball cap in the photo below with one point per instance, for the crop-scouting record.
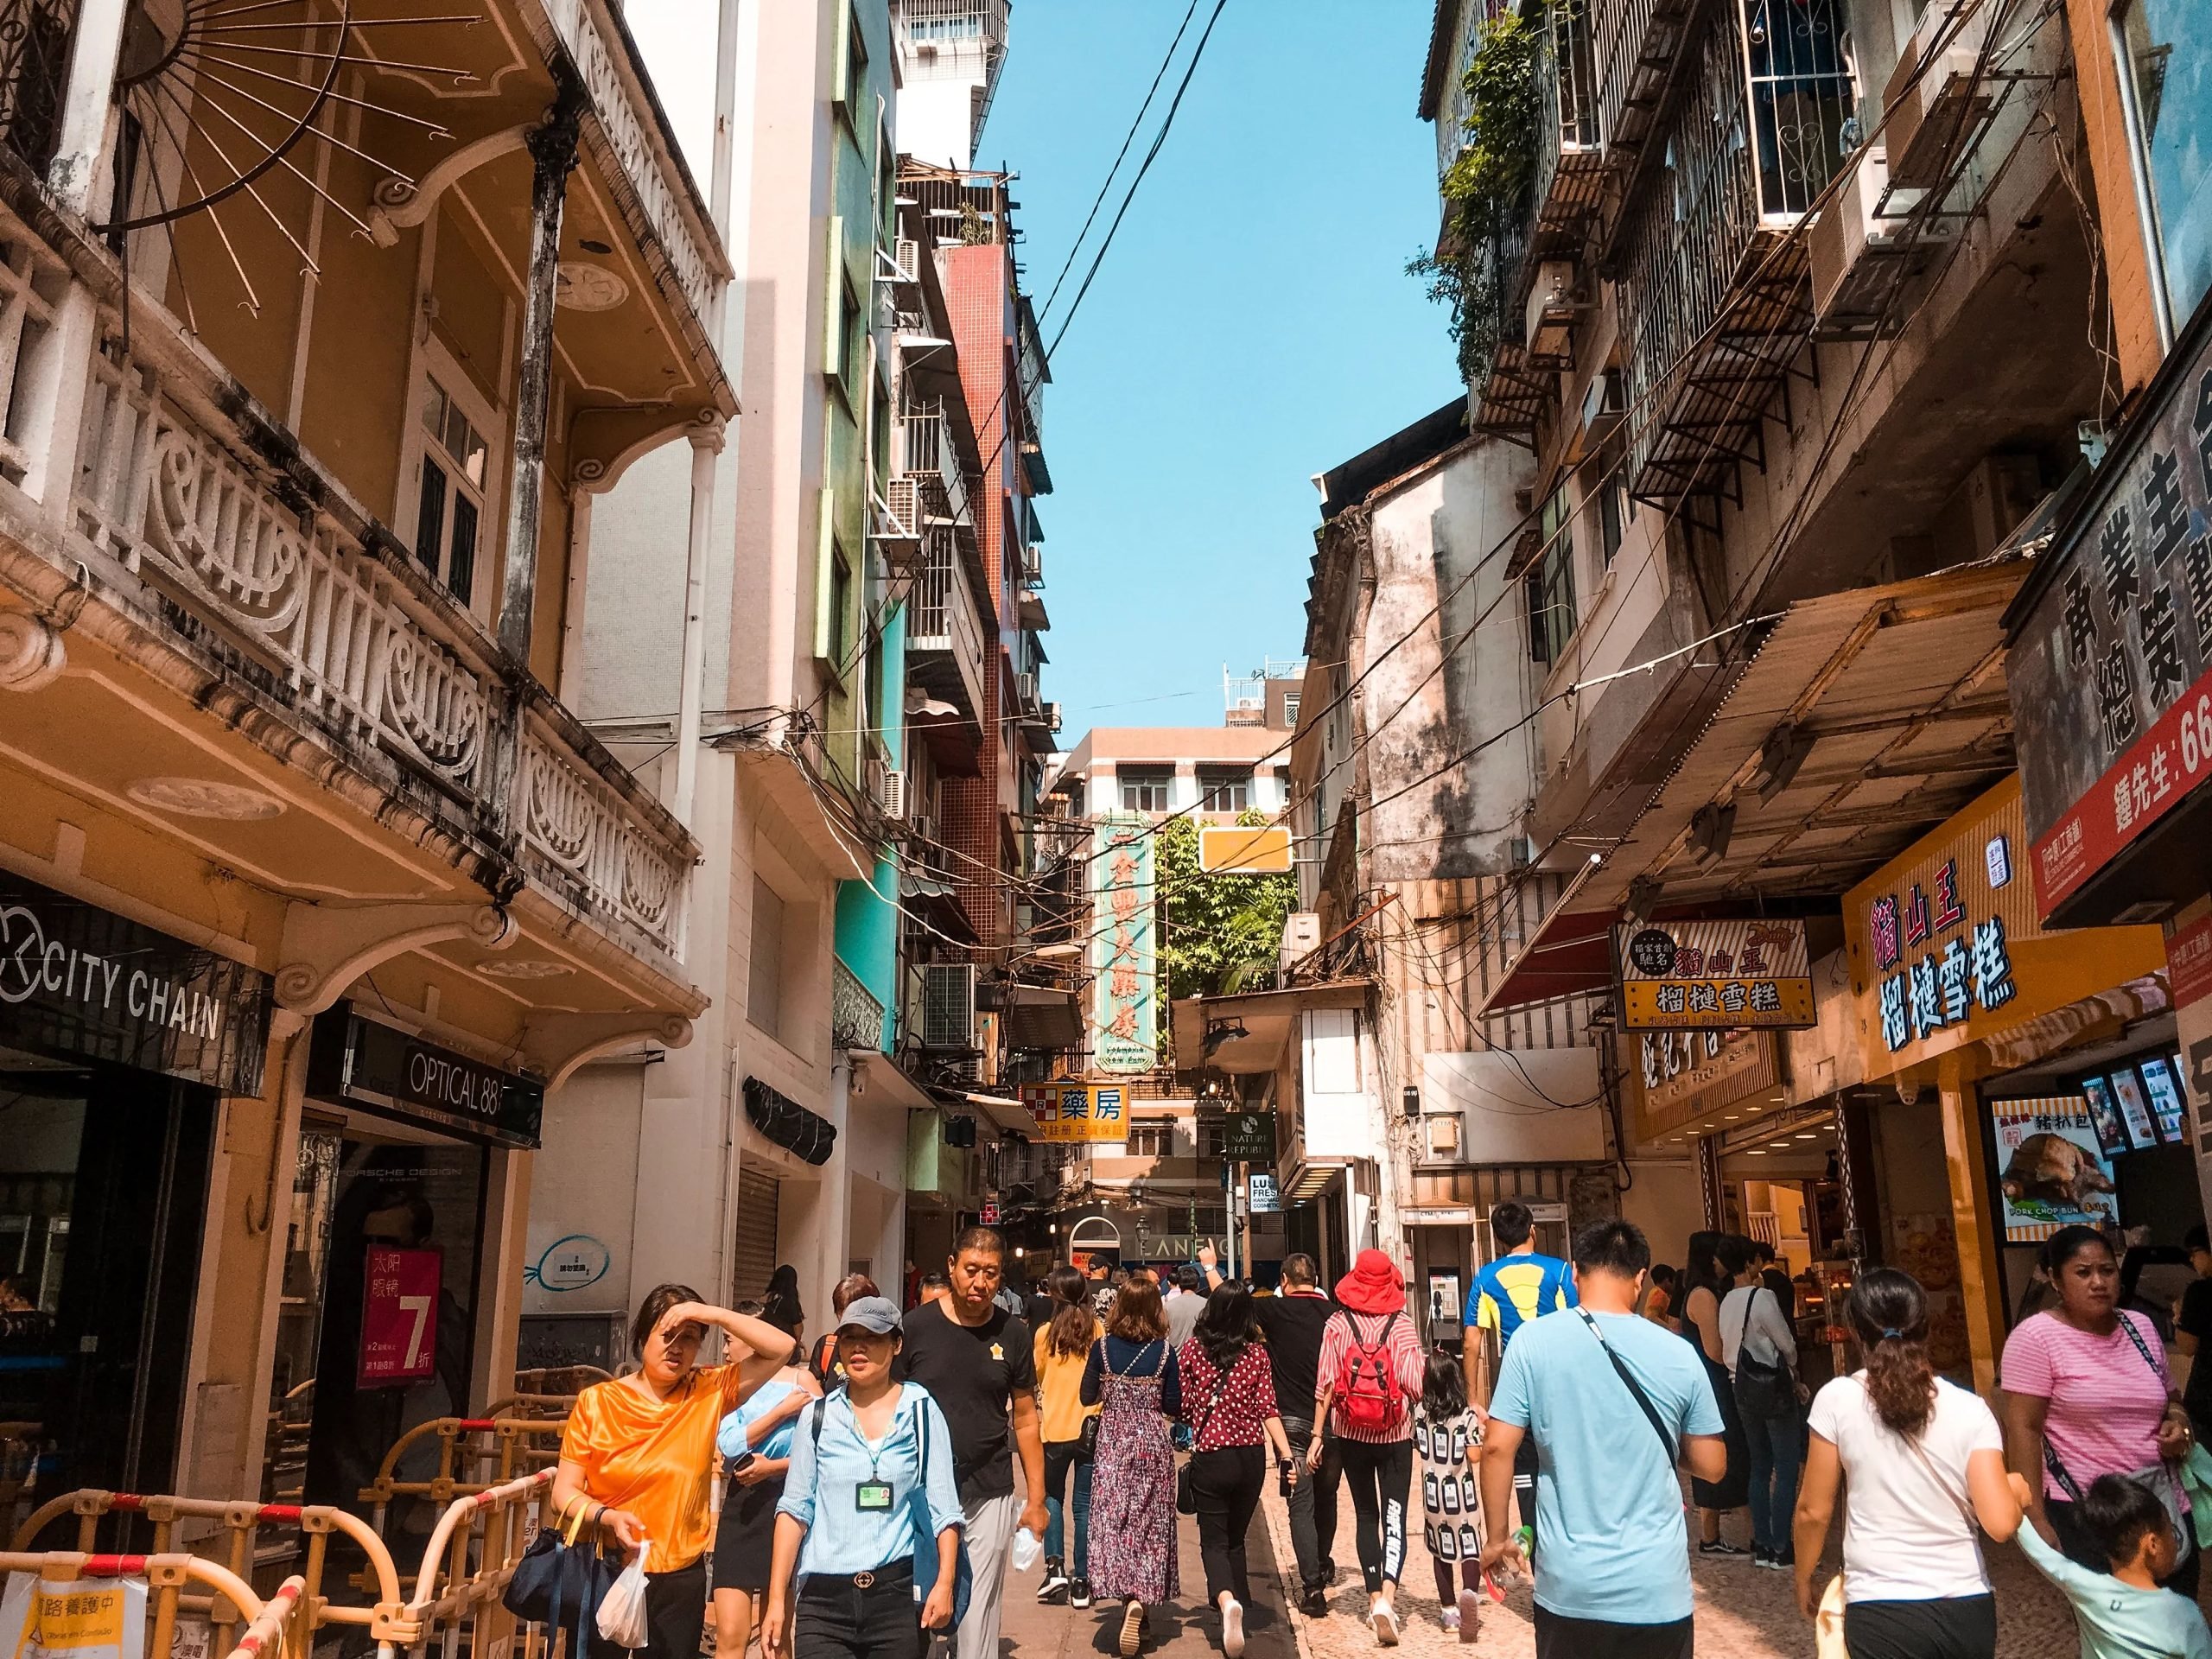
(875, 1314)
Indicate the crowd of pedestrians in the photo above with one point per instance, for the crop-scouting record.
(878, 1485)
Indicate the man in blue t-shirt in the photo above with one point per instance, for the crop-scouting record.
(1616, 1565)
(1519, 1284)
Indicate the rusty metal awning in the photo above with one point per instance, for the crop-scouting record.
(1865, 718)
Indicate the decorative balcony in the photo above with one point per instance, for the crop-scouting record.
(1714, 299)
(855, 1017)
(217, 533)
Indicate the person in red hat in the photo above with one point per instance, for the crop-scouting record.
(1367, 1384)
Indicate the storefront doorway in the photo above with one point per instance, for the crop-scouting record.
(103, 1189)
(1782, 1185)
(387, 1254)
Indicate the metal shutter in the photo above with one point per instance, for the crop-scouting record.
(754, 1244)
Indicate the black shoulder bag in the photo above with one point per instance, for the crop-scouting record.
(1186, 1491)
(1650, 1411)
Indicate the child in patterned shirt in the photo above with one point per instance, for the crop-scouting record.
(1448, 1442)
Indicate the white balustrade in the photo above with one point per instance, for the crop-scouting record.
(376, 660)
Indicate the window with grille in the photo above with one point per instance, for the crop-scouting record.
(456, 474)
(1213, 1138)
(1290, 711)
(1155, 1139)
(1549, 585)
(1224, 790)
(1144, 789)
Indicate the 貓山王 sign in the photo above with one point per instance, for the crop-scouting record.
(83, 982)
(1124, 965)
(2109, 655)
(1746, 973)
(359, 1060)
(1945, 945)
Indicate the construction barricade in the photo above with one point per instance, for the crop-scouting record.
(232, 1531)
(176, 1585)
(470, 1556)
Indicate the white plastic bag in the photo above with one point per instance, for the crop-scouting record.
(1026, 1549)
(622, 1614)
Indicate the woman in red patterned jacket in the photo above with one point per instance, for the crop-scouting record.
(1229, 1400)
(1366, 1388)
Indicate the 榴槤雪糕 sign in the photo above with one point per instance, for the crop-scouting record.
(1743, 974)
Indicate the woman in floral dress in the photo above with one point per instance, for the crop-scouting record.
(1132, 1375)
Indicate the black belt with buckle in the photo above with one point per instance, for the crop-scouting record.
(898, 1575)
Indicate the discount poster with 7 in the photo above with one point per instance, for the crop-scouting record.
(399, 1317)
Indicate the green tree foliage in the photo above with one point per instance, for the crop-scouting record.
(1219, 933)
(1487, 191)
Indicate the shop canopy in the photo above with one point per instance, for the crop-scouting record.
(1864, 718)
(1250, 1033)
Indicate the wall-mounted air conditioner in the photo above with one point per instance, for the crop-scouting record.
(1548, 323)
(891, 791)
(1935, 114)
(948, 1005)
(1860, 258)
(1025, 691)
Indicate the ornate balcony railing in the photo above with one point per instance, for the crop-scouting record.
(855, 1017)
(256, 550)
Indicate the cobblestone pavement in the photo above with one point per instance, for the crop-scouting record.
(1743, 1611)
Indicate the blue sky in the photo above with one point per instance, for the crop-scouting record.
(1253, 324)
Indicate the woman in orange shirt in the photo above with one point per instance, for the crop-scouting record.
(640, 1451)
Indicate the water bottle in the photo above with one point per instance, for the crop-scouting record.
(1028, 1548)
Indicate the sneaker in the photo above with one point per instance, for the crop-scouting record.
(1759, 1555)
(1055, 1587)
(1784, 1559)
(1721, 1547)
(1313, 1600)
(1078, 1593)
(1384, 1618)
(1232, 1629)
(1449, 1618)
(1132, 1630)
(1470, 1610)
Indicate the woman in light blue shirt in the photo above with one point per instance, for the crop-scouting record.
(754, 1442)
(870, 1497)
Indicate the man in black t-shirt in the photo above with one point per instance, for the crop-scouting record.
(2193, 1332)
(979, 1364)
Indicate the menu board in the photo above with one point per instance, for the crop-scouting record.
(2164, 1088)
(2050, 1174)
(2134, 1109)
(2104, 1112)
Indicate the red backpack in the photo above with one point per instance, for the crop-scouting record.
(1370, 1399)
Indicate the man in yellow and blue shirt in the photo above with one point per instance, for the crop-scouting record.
(1518, 1284)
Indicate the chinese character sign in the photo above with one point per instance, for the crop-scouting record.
(2051, 1171)
(78, 1618)
(399, 1317)
(2110, 668)
(1746, 974)
(1124, 1013)
(1078, 1111)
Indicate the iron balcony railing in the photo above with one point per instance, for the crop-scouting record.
(942, 625)
(928, 455)
(1713, 297)
(35, 41)
(1570, 158)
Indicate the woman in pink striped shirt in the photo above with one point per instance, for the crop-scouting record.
(1366, 1389)
(2087, 1393)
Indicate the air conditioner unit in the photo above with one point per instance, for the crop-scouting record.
(1052, 716)
(891, 792)
(908, 259)
(1548, 323)
(948, 1005)
(1301, 935)
(921, 827)
(1033, 567)
(1859, 260)
(1025, 691)
(1604, 403)
(1933, 115)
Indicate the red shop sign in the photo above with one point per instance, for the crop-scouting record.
(2143, 786)
(2189, 962)
(399, 1317)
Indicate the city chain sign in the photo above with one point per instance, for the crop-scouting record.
(82, 981)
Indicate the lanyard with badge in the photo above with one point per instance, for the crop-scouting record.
(873, 1495)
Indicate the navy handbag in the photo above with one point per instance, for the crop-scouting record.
(559, 1583)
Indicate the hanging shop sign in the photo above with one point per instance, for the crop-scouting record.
(2052, 1173)
(399, 1317)
(1262, 1196)
(1746, 973)
(1247, 1137)
(1244, 849)
(1124, 965)
(1078, 1111)
(2109, 653)
(361, 1062)
(81, 980)
(1681, 1077)
(1946, 946)
(2189, 962)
